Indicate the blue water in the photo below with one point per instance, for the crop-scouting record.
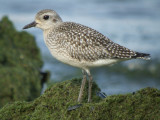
(131, 23)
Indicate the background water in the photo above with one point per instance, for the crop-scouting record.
(131, 23)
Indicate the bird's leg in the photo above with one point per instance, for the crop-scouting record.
(90, 87)
(82, 86)
(80, 93)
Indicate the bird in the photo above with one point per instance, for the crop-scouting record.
(80, 46)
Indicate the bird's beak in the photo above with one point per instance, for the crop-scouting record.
(33, 24)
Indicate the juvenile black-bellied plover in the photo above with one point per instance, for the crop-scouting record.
(80, 46)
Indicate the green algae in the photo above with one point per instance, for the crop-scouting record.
(20, 64)
(53, 104)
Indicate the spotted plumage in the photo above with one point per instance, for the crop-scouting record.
(79, 45)
(84, 43)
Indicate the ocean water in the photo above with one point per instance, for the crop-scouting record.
(131, 23)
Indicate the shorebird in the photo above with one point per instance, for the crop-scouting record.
(80, 46)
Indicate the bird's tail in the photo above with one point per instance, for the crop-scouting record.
(142, 56)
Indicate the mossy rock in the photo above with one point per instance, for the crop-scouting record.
(20, 64)
(17, 48)
(53, 104)
(17, 84)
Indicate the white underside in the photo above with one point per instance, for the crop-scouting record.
(82, 64)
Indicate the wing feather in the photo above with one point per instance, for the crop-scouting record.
(84, 43)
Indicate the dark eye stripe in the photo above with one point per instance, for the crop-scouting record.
(46, 17)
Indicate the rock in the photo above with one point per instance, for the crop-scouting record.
(53, 105)
(20, 65)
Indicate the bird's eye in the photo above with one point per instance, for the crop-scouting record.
(46, 17)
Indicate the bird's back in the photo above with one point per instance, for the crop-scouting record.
(82, 43)
(85, 43)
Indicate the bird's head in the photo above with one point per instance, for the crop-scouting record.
(45, 19)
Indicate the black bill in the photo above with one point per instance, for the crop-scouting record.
(33, 24)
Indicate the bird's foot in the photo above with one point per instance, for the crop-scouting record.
(74, 107)
(101, 94)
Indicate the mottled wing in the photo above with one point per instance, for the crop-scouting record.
(84, 43)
